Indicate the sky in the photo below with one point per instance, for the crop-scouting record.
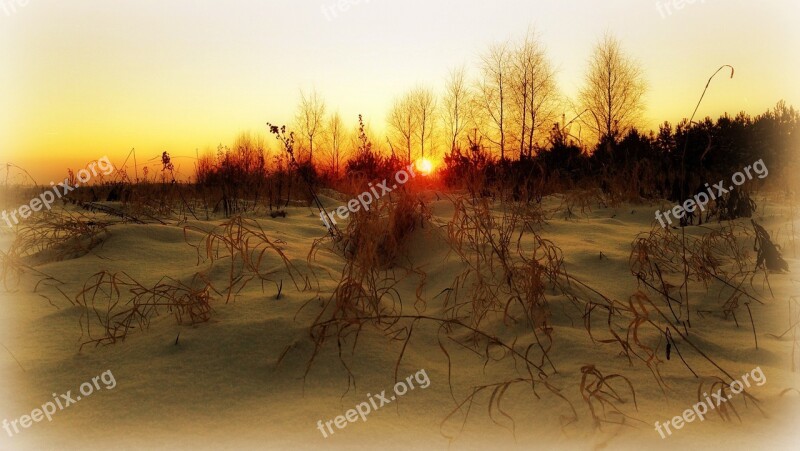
(91, 78)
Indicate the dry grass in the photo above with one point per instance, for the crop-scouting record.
(505, 280)
(510, 270)
(118, 304)
(58, 235)
(726, 410)
(768, 254)
(374, 242)
(581, 200)
(49, 237)
(498, 309)
(503, 276)
(245, 246)
(603, 399)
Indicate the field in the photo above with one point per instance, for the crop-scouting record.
(426, 225)
(538, 323)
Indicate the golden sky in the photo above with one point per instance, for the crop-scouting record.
(84, 79)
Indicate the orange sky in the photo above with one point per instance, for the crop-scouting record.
(81, 80)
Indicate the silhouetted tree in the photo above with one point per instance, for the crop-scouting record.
(425, 112)
(454, 106)
(613, 91)
(310, 117)
(402, 122)
(334, 135)
(534, 92)
(493, 92)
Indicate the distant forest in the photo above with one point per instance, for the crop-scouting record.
(506, 132)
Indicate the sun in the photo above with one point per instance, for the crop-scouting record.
(425, 166)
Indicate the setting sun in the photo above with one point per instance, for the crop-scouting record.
(457, 205)
(425, 166)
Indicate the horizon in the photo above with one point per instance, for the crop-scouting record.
(167, 77)
(256, 224)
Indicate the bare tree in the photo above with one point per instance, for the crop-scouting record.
(455, 104)
(403, 123)
(310, 117)
(335, 134)
(534, 92)
(493, 93)
(613, 91)
(424, 103)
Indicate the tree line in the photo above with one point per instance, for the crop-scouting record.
(511, 104)
(510, 120)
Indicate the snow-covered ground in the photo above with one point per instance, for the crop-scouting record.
(218, 385)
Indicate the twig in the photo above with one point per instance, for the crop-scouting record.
(755, 337)
(12, 356)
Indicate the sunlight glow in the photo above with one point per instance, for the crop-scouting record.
(425, 166)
